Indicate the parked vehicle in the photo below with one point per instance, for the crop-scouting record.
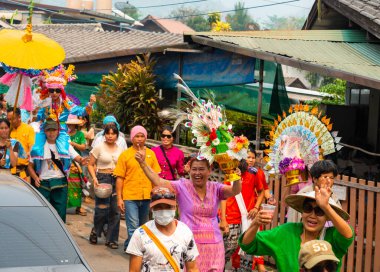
(32, 235)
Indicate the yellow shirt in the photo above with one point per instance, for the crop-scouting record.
(136, 185)
(25, 135)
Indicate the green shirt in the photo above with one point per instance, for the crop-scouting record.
(283, 243)
(78, 138)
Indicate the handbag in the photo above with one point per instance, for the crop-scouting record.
(167, 160)
(162, 248)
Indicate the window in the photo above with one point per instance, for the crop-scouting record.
(32, 236)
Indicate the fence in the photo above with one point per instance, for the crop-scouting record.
(362, 202)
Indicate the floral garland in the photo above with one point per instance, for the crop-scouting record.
(25, 72)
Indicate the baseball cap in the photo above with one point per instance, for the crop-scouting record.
(51, 124)
(314, 252)
(162, 194)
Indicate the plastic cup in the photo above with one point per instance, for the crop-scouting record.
(268, 209)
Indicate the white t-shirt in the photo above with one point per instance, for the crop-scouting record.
(180, 244)
(99, 138)
(48, 168)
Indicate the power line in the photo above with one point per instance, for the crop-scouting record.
(166, 5)
(231, 10)
(291, 5)
(177, 17)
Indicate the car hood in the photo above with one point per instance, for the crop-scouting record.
(55, 268)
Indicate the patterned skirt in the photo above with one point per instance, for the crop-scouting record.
(74, 190)
(211, 257)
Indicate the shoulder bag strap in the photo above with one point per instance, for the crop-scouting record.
(161, 248)
(57, 162)
(167, 160)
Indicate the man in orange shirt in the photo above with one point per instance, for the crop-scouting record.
(132, 186)
(25, 134)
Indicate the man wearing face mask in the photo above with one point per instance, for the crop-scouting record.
(162, 244)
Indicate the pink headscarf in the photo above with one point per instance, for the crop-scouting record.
(138, 129)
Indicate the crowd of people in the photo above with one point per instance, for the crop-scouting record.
(197, 224)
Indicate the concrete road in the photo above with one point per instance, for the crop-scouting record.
(100, 257)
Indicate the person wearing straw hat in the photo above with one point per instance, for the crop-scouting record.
(163, 244)
(317, 256)
(75, 178)
(283, 243)
(322, 173)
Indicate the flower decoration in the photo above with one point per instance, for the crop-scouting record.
(289, 164)
(208, 124)
(238, 147)
(299, 138)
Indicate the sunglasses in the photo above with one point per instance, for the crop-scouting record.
(54, 90)
(166, 136)
(321, 267)
(158, 196)
(308, 208)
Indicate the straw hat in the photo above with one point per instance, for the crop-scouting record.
(73, 120)
(296, 202)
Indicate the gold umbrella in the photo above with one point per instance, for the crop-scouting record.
(23, 54)
(24, 50)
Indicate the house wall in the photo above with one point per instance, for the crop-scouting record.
(294, 72)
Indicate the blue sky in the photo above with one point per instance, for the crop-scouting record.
(299, 8)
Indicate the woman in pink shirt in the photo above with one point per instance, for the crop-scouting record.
(198, 200)
(170, 158)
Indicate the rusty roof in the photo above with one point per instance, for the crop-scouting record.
(168, 25)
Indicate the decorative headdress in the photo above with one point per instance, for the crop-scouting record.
(212, 133)
(298, 140)
(57, 79)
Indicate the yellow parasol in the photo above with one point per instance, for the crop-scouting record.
(23, 54)
(24, 50)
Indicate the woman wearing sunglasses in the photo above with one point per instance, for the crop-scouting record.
(170, 158)
(283, 243)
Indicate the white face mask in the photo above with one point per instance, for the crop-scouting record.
(163, 217)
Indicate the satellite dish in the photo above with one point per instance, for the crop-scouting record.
(122, 5)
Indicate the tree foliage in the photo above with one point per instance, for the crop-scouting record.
(336, 90)
(275, 22)
(240, 19)
(189, 17)
(130, 94)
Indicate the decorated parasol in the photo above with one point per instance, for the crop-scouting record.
(23, 55)
(299, 139)
(213, 135)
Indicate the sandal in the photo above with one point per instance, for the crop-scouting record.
(93, 237)
(81, 211)
(112, 245)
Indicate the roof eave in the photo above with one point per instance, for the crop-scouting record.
(121, 53)
(303, 65)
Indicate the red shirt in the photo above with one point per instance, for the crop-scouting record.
(252, 184)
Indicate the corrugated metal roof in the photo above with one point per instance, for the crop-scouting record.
(310, 35)
(344, 54)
